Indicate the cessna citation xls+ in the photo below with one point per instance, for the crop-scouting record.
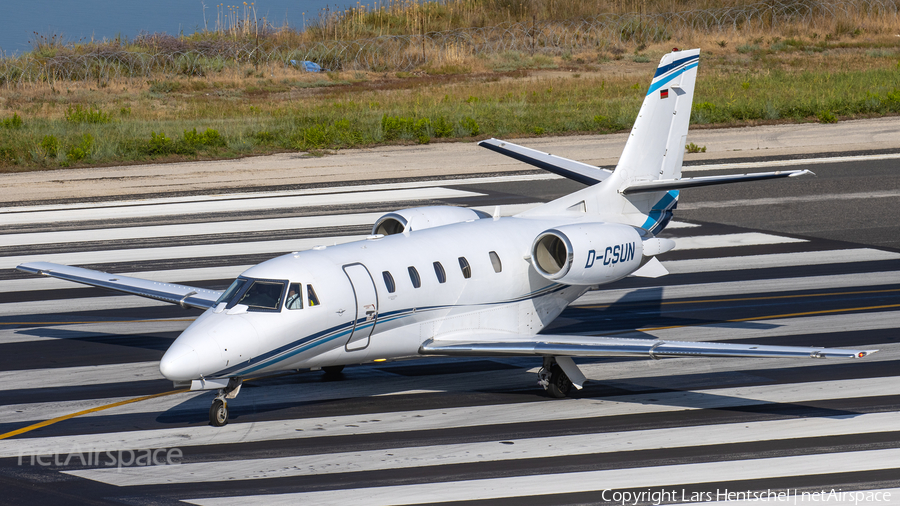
(453, 281)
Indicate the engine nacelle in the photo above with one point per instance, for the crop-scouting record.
(420, 218)
(589, 254)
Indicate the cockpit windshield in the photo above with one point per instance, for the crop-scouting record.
(263, 295)
(256, 294)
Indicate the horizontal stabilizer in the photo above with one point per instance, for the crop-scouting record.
(185, 296)
(693, 182)
(576, 171)
(497, 344)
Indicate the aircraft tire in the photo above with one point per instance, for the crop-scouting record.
(559, 383)
(218, 413)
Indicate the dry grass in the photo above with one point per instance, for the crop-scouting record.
(822, 71)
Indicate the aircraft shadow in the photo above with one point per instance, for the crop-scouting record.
(158, 341)
(641, 308)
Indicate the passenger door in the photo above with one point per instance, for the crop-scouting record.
(366, 306)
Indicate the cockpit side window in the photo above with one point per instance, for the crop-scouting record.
(295, 297)
(263, 296)
(311, 296)
(232, 291)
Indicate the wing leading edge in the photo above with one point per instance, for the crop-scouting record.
(590, 346)
(184, 296)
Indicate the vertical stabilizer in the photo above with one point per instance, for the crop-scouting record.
(654, 150)
(655, 147)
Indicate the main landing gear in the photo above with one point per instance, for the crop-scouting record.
(218, 412)
(553, 378)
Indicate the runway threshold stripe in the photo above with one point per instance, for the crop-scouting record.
(183, 276)
(80, 329)
(789, 163)
(238, 198)
(567, 483)
(189, 229)
(82, 375)
(177, 252)
(20, 217)
(778, 316)
(73, 237)
(795, 199)
(432, 419)
(731, 240)
(730, 288)
(778, 260)
(493, 451)
(847, 323)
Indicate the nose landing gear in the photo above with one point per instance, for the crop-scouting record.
(218, 412)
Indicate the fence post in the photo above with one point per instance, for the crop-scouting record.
(533, 29)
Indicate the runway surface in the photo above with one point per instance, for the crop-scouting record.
(801, 262)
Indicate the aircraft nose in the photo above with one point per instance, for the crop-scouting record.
(180, 362)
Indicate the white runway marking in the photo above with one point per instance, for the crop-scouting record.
(16, 216)
(165, 276)
(492, 451)
(73, 237)
(790, 163)
(779, 260)
(197, 251)
(82, 375)
(112, 328)
(432, 419)
(567, 483)
(330, 190)
(731, 240)
(867, 281)
(789, 200)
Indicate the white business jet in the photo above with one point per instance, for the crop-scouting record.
(454, 281)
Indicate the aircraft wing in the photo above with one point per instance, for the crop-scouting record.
(499, 344)
(576, 171)
(184, 296)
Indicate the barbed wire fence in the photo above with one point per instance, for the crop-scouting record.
(151, 55)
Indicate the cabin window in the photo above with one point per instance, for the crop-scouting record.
(495, 261)
(414, 277)
(464, 267)
(263, 295)
(388, 281)
(439, 272)
(311, 296)
(295, 297)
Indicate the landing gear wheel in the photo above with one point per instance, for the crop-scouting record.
(218, 413)
(559, 383)
(332, 370)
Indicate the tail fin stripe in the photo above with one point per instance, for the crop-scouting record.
(661, 212)
(662, 82)
(675, 64)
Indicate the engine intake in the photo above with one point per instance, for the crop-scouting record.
(587, 254)
(420, 218)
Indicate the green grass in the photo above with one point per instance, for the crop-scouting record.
(227, 125)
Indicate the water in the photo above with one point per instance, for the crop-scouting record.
(99, 19)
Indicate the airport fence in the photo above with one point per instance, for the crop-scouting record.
(150, 55)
